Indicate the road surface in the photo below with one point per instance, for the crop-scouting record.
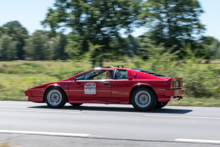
(28, 124)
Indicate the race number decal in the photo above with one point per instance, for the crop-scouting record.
(90, 88)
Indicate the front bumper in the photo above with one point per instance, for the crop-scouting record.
(27, 93)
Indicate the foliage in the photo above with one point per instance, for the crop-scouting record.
(7, 48)
(36, 46)
(31, 64)
(41, 47)
(132, 46)
(191, 101)
(15, 43)
(18, 33)
(199, 81)
(95, 21)
(173, 22)
(96, 26)
(57, 45)
(211, 46)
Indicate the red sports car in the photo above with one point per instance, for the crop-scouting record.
(110, 85)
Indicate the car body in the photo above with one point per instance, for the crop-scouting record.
(92, 87)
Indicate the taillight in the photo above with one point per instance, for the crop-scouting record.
(173, 85)
(177, 83)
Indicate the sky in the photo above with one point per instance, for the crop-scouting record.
(31, 12)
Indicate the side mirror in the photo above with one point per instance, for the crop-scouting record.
(74, 79)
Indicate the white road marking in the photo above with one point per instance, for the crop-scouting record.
(41, 111)
(193, 117)
(197, 140)
(43, 133)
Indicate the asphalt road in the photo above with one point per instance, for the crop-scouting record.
(34, 124)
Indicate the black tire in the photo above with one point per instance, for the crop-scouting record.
(143, 99)
(55, 97)
(160, 105)
(76, 105)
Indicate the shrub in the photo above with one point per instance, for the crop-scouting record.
(2, 70)
(31, 64)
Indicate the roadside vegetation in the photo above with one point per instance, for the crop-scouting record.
(201, 80)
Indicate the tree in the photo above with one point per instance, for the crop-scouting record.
(95, 21)
(40, 47)
(18, 33)
(36, 47)
(132, 46)
(1, 31)
(7, 47)
(57, 47)
(211, 47)
(173, 22)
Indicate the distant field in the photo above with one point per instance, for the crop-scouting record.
(214, 64)
(43, 63)
(17, 76)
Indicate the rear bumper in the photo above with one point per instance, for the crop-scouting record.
(175, 92)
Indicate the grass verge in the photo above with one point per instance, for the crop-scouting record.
(190, 101)
(201, 80)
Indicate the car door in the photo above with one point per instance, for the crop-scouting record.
(121, 86)
(90, 90)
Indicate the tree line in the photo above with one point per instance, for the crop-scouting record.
(17, 44)
(95, 30)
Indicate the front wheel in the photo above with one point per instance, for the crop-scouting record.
(143, 99)
(55, 98)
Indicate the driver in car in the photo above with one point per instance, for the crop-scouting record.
(108, 74)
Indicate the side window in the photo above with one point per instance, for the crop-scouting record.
(85, 76)
(96, 75)
(121, 74)
(101, 74)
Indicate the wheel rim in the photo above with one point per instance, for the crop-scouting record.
(54, 97)
(142, 99)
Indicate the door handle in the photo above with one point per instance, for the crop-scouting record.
(106, 83)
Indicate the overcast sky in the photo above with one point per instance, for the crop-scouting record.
(29, 13)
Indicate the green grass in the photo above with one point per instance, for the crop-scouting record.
(201, 80)
(12, 86)
(205, 102)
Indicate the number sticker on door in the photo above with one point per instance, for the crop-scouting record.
(90, 88)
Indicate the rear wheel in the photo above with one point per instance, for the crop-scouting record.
(55, 97)
(160, 105)
(76, 105)
(143, 99)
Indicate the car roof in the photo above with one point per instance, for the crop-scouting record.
(121, 67)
